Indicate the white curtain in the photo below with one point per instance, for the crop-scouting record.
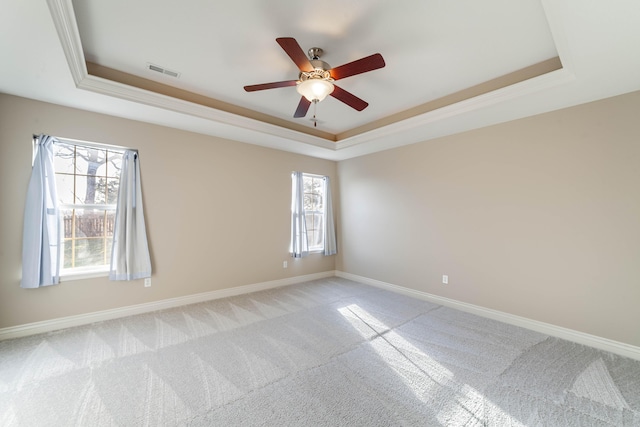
(130, 258)
(330, 247)
(41, 234)
(299, 243)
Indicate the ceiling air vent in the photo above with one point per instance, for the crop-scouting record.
(162, 70)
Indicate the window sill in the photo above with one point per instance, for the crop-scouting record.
(311, 252)
(80, 274)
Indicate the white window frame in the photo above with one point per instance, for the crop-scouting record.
(77, 273)
(316, 248)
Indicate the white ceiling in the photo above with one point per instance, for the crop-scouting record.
(432, 49)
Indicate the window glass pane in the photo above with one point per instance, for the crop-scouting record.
(64, 188)
(100, 188)
(81, 189)
(113, 164)
(316, 185)
(89, 159)
(107, 255)
(308, 217)
(63, 160)
(82, 165)
(67, 255)
(101, 169)
(320, 231)
(313, 205)
(113, 184)
(89, 252)
(108, 228)
(315, 230)
(88, 190)
(91, 243)
(89, 223)
(308, 202)
(311, 237)
(67, 223)
(317, 202)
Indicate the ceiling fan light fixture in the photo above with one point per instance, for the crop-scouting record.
(315, 81)
(315, 90)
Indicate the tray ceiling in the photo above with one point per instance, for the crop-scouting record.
(450, 66)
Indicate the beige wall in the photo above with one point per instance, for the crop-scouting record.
(218, 212)
(538, 217)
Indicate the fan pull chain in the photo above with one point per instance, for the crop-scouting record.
(315, 121)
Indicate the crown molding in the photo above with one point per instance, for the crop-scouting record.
(142, 96)
(517, 90)
(64, 20)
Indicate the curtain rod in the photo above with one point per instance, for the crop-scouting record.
(90, 144)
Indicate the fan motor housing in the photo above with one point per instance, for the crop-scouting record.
(317, 63)
(320, 68)
(314, 57)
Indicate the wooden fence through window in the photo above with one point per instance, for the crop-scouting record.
(89, 225)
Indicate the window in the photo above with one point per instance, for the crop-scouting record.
(87, 183)
(314, 200)
(312, 226)
(71, 223)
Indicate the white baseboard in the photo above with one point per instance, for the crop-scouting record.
(616, 347)
(99, 316)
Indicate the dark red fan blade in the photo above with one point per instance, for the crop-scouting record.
(273, 85)
(302, 109)
(295, 52)
(370, 63)
(348, 98)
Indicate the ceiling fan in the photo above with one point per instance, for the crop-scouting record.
(316, 77)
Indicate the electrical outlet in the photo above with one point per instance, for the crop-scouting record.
(284, 264)
(147, 282)
(445, 279)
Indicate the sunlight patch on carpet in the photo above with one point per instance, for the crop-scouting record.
(423, 375)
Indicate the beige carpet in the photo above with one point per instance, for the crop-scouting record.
(325, 353)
